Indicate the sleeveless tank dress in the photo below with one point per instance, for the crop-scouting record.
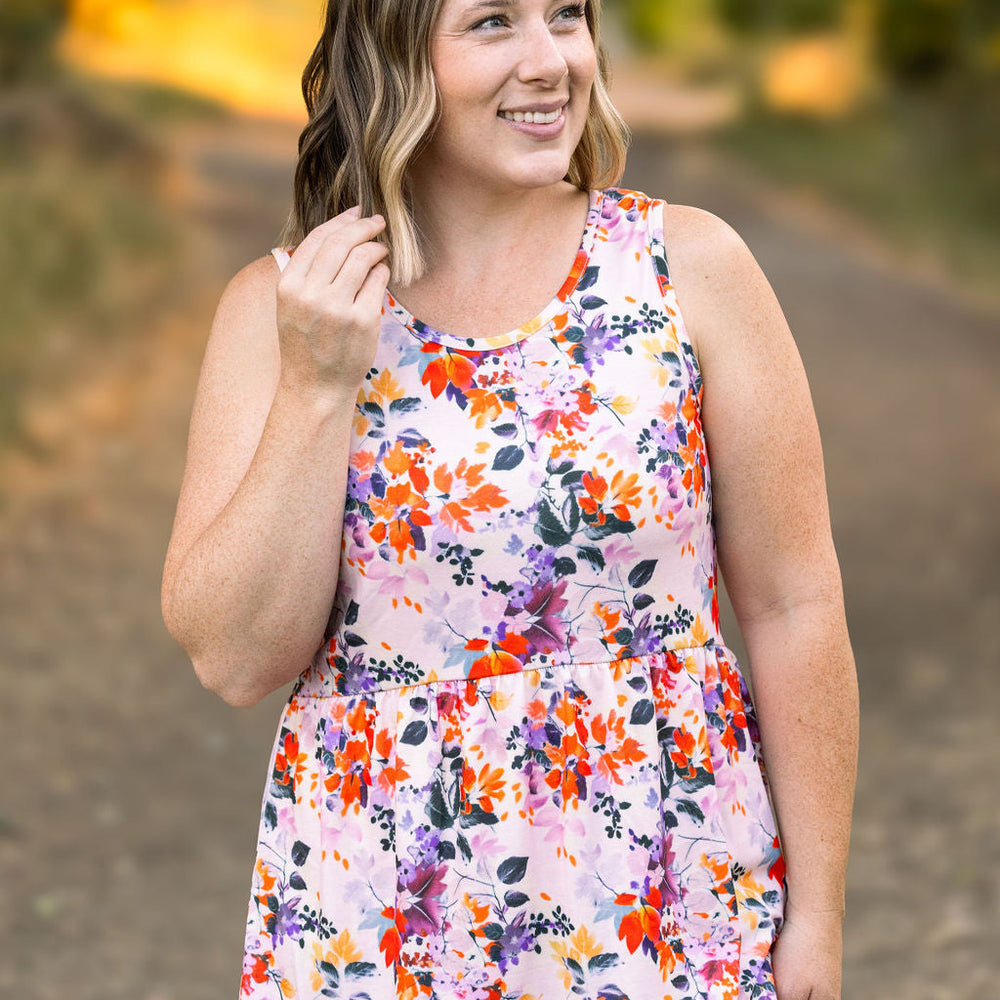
(524, 765)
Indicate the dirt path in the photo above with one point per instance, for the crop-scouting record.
(131, 796)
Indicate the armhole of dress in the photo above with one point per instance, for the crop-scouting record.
(282, 256)
(658, 248)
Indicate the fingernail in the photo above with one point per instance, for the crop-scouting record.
(355, 210)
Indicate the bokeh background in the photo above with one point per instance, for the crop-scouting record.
(146, 153)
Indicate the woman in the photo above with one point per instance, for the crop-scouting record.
(518, 761)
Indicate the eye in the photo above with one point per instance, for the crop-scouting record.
(572, 13)
(493, 21)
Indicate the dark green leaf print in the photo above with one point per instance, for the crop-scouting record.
(564, 567)
(642, 573)
(575, 968)
(642, 712)
(593, 555)
(415, 733)
(408, 404)
(360, 970)
(549, 528)
(438, 810)
(692, 809)
(588, 279)
(374, 413)
(606, 960)
(507, 458)
(571, 513)
(512, 870)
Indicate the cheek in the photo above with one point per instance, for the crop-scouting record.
(583, 61)
(460, 80)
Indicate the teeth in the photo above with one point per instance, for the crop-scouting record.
(532, 117)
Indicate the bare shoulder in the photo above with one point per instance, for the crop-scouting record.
(244, 334)
(720, 287)
(239, 374)
(251, 293)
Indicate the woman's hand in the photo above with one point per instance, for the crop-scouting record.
(807, 957)
(329, 301)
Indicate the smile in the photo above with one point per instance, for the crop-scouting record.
(532, 117)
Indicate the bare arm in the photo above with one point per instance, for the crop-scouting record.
(252, 565)
(777, 557)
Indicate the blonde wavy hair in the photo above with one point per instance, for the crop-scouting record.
(372, 102)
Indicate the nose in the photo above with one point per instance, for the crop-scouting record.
(542, 60)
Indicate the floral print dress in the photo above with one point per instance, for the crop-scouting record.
(524, 765)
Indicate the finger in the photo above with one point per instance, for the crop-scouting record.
(372, 292)
(355, 270)
(338, 244)
(307, 249)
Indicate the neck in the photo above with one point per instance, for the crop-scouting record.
(467, 232)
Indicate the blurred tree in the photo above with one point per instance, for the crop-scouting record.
(919, 41)
(655, 26)
(28, 30)
(784, 15)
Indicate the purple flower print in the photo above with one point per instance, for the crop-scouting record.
(286, 920)
(425, 887)
(515, 939)
(547, 631)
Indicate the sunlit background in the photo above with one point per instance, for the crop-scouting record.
(247, 54)
(146, 152)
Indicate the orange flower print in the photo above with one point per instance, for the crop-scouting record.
(690, 755)
(256, 969)
(392, 937)
(481, 789)
(641, 922)
(496, 661)
(623, 493)
(451, 373)
(569, 760)
(289, 763)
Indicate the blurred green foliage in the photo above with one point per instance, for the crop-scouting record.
(915, 41)
(28, 29)
(87, 243)
(655, 26)
(792, 15)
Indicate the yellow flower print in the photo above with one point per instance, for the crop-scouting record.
(655, 350)
(580, 948)
(386, 387)
(342, 952)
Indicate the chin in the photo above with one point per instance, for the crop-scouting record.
(543, 175)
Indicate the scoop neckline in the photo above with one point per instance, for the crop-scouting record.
(428, 334)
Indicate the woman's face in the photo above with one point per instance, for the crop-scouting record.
(496, 61)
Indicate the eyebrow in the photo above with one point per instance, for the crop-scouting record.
(487, 4)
